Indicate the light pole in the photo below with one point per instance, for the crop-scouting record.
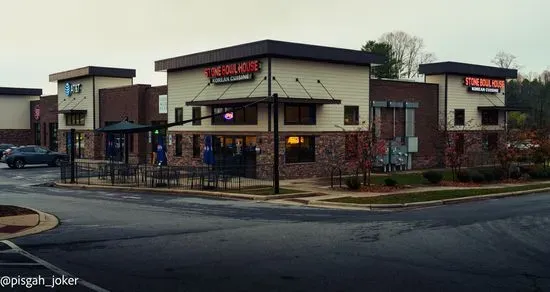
(276, 143)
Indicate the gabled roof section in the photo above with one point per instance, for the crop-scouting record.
(20, 91)
(93, 71)
(466, 69)
(271, 48)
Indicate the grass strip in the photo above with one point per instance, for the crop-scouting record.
(435, 195)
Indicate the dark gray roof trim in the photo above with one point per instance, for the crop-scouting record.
(93, 71)
(20, 91)
(270, 48)
(466, 69)
(233, 101)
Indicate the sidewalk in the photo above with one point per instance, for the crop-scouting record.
(32, 222)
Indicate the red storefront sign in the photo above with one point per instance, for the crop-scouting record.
(232, 72)
(36, 112)
(484, 84)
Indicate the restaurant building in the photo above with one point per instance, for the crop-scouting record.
(44, 122)
(325, 93)
(15, 117)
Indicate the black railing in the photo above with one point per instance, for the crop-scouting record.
(225, 177)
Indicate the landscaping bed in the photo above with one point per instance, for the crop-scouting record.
(436, 195)
(6, 210)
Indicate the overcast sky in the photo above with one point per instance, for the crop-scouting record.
(43, 37)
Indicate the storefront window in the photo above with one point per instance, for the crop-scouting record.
(351, 146)
(179, 151)
(36, 133)
(300, 114)
(300, 149)
(196, 146)
(460, 118)
(489, 118)
(246, 116)
(351, 115)
(490, 141)
(196, 116)
(75, 119)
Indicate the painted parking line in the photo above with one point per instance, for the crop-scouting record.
(50, 267)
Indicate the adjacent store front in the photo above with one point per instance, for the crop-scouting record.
(15, 117)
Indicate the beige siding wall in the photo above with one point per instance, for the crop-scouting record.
(107, 82)
(458, 97)
(439, 79)
(15, 112)
(77, 101)
(350, 84)
(184, 86)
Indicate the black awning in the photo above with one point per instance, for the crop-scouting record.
(124, 127)
(72, 111)
(503, 108)
(288, 100)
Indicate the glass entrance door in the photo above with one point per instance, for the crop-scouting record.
(236, 152)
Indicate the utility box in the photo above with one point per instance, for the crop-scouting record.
(412, 144)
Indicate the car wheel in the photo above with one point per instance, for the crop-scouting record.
(11, 166)
(57, 162)
(19, 163)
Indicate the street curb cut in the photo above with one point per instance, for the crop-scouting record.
(420, 204)
(46, 222)
(190, 192)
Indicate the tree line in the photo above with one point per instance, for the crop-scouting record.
(530, 91)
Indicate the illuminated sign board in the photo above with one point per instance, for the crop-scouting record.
(486, 85)
(72, 88)
(233, 72)
(228, 116)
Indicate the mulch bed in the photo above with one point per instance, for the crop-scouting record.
(457, 184)
(14, 211)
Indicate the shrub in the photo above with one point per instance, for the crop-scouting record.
(539, 173)
(433, 177)
(488, 175)
(463, 176)
(390, 182)
(353, 183)
(477, 176)
(498, 174)
(515, 174)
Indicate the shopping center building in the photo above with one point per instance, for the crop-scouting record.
(325, 94)
(15, 116)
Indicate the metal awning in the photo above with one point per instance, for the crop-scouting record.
(502, 108)
(285, 100)
(72, 111)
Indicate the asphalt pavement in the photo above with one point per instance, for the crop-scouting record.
(144, 242)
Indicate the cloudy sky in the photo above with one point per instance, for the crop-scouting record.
(43, 37)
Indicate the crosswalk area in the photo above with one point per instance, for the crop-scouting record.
(22, 271)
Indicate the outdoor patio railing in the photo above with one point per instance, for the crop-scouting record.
(226, 177)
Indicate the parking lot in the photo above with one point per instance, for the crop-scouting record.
(30, 175)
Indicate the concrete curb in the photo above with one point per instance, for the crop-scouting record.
(420, 204)
(46, 222)
(190, 192)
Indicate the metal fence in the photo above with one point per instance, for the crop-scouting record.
(225, 177)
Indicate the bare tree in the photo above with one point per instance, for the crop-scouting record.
(505, 60)
(545, 76)
(408, 51)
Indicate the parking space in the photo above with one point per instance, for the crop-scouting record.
(20, 270)
(30, 175)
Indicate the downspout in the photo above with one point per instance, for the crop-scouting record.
(269, 77)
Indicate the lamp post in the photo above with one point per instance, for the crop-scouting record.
(276, 143)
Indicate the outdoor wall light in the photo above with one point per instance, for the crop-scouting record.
(258, 150)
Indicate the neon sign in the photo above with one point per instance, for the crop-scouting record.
(476, 84)
(228, 116)
(233, 72)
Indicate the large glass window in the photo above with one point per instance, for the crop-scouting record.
(246, 116)
(296, 114)
(490, 141)
(489, 117)
(75, 119)
(351, 115)
(300, 149)
(196, 146)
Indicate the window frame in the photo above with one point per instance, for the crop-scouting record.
(355, 113)
(249, 117)
(75, 119)
(486, 119)
(178, 114)
(196, 143)
(457, 121)
(312, 110)
(302, 156)
(197, 114)
(178, 151)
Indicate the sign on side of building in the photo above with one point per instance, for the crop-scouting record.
(485, 85)
(233, 72)
(71, 88)
(163, 104)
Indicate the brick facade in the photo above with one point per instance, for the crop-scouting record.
(426, 117)
(16, 136)
(46, 117)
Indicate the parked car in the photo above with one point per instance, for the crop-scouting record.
(3, 147)
(23, 155)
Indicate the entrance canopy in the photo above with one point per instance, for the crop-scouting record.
(124, 127)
